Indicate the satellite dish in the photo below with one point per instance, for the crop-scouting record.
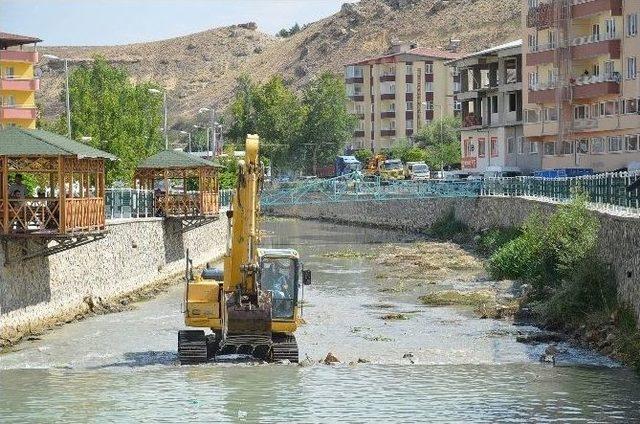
(37, 72)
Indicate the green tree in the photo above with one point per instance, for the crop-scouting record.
(243, 111)
(363, 155)
(121, 117)
(441, 141)
(328, 126)
(406, 151)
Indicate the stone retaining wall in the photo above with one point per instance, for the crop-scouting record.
(619, 241)
(136, 253)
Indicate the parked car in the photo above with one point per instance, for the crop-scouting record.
(417, 171)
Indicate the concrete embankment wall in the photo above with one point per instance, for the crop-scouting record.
(136, 253)
(619, 241)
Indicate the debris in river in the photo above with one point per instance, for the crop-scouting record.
(348, 254)
(407, 355)
(331, 359)
(453, 297)
(394, 317)
(363, 361)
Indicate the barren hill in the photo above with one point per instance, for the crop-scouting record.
(200, 69)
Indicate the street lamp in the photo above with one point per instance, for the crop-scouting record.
(164, 108)
(211, 147)
(66, 89)
(189, 134)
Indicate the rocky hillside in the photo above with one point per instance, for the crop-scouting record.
(200, 69)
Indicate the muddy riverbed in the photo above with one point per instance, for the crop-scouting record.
(401, 360)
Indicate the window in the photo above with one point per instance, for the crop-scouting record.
(373, 108)
(549, 148)
(511, 145)
(468, 147)
(632, 25)
(531, 116)
(551, 38)
(457, 105)
(631, 68)
(512, 101)
(494, 147)
(533, 42)
(533, 79)
(9, 100)
(409, 87)
(581, 112)
(533, 3)
(597, 145)
(494, 104)
(409, 124)
(428, 105)
(533, 147)
(9, 72)
(615, 144)
(582, 146)
(392, 125)
(360, 125)
(520, 145)
(609, 108)
(428, 68)
(550, 114)
(567, 147)
(631, 142)
(409, 69)
(610, 28)
(482, 148)
(409, 106)
(428, 86)
(596, 69)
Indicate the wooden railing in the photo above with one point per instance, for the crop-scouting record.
(83, 214)
(190, 204)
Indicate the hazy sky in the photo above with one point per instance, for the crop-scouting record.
(100, 22)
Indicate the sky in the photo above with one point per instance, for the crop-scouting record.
(108, 22)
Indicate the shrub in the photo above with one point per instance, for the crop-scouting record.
(448, 226)
(495, 238)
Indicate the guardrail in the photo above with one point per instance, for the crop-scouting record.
(611, 191)
(128, 203)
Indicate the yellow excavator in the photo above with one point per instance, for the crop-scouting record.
(253, 306)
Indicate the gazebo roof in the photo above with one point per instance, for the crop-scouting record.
(175, 159)
(16, 141)
(8, 40)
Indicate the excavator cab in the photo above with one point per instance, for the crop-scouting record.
(280, 275)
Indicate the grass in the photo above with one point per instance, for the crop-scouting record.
(451, 297)
(394, 317)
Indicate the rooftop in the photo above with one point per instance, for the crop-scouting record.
(16, 141)
(9, 40)
(425, 52)
(175, 159)
(489, 51)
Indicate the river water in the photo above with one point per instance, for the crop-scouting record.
(442, 364)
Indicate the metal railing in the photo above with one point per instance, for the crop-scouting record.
(609, 191)
(129, 203)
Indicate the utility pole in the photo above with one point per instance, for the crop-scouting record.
(214, 147)
(66, 89)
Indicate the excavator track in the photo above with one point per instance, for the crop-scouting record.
(192, 347)
(285, 347)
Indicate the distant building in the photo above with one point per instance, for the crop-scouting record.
(18, 83)
(491, 103)
(581, 82)
(394, 95)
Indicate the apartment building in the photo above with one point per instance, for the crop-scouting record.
(18, 83)
(491, 104)
(394, 95)
(581, 82)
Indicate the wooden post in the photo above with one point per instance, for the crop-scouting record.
(166, 193)
(62, 195)
(5, 194)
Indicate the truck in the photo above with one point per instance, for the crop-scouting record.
(391, 169)
(347, 165)
(417, 171)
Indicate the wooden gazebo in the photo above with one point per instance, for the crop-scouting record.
(67, 202)
(185, 186)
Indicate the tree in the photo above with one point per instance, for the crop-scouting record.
(120, 117)
(243, 111)
(328, 126)
(363, 155)
(441, 141)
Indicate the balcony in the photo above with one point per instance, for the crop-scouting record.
(408, 115)
(585, 124)
(408, 78)
(596, 86)
(471, 121)
(19, 56)
(354, 80)
(596, 45)
(19, 84)
(387, 132)
(388, 114)
(541, 54)
(584, 8)
(387, 77)
(358, 133)
(541, 17)
(17, 112)
(543, 92)
(387, 96)
(356, 97)
(408, 97)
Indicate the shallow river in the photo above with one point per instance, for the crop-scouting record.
(441, 364)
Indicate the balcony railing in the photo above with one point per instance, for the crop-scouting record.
(595, 38)
(20, 84)
(387, 77)
(388, 114)
(387, 132)
(19, 56)
(17, 112)
(585, 124)
(471, 120)
(190, 204)
(595, 79)
(387, 96)
(584, 8)
(543, 47)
